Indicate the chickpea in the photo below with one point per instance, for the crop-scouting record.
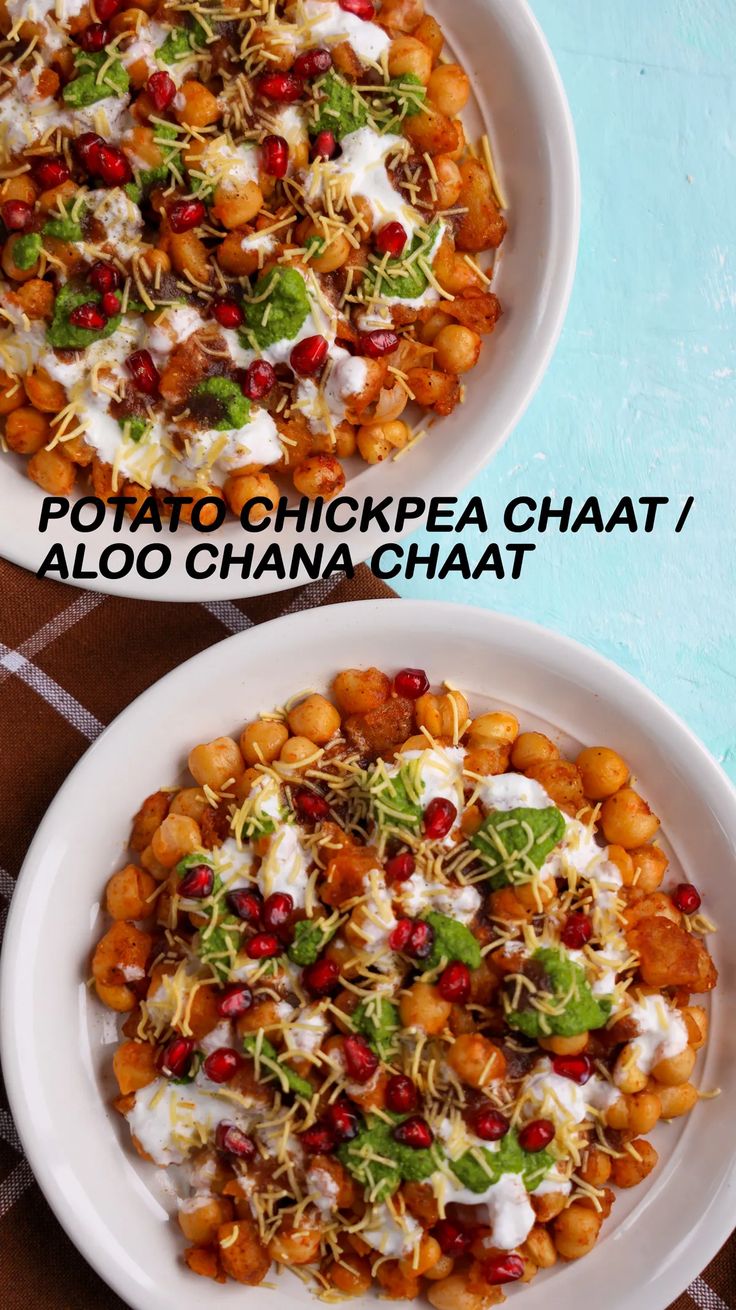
(331, 250)
(19, 188)
(423, 1258)
(121, 954)
(240, 490)
(596, 1167)
(215, 762)
(134, 1065)
(190, 801)
(487, 760)
(562, 783)
(627, 1075)
(476, 1060)
(262, 741)
(628, 1171)
(433, 325)
(295, 1246)
(52, 472)
(27, 430)
(448, 88)
(189, 256)
(430, 34)
(376, 441)
(448, 182)
(36, 298)
(496, 728)
(298, 751)
(457, 1293)
(402, 15)
(441, 1270)
(12, 393)
(649, 867)
(576, 1230)
(315, 718)
(442, 716)
(407, 55)
(44, 392)
(423, 1007)
(644, 1112)
(319, 475)
(696, 1018)
(200, 1218)
(540, 1248)
(457, 349)
(199, 108)
(532, 748)
(627, 820)
(565, 1045)
(675, 1070)
(452, 271)
(128, 893)
(397, 1285)
(116, 996)
(234, 209)
(176, 837)
(624, 863)
(548, 1206)
(9, 266)
(676, 1101)
(350, 1275)
(603, 772)
(357, 691)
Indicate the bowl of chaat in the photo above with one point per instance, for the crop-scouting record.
(242, 241)
(403, 991)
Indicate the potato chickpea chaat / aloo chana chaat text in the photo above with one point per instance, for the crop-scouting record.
(239, 238)
(404, 995)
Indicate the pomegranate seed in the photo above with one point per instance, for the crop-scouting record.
(343, 1120)
(360, 1061)
(318, 1140)
(324, 146)
(104, 277)
(247, 905)
(277, 910)
(421, 940)
(414, 1132)
(577, 931)
(312, 63)
(88, 316)
(143, 372)
(260, 378)
(227, 313)
(176, 1057)
(376, 345)
(364, 9)
(234, 1001)
(439, 818)
(197, 883)
(453, 984)
(578, 1068)
(410, 683)
(503, 1269)
(222, 1064)
(16, 215)
(309, 355)
(401, 1094)
(311, 806)
(275, 156)
(489, 1124)
(391, 239)
(321, 978)
(51, 173)
(87, 149)
(162, 89)
(106, 9)
(233, 1141)
(112, 165)
(400, 867)
(451, 1239)
(263, 946)
(110, 304)
(92, 38)
(687, 898)
(285, 88)
(536, 1135)
(186, 214)
(399, 936)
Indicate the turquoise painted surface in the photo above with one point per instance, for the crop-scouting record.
(640, 396)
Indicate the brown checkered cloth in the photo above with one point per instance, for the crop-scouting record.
(51, 637)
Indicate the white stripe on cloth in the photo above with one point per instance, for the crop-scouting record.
(9, 1132)
(228, 615)
(52, 692)
(17, 1182)
(55, 627)
(704, 1296)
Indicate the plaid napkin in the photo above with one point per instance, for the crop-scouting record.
(69, 662)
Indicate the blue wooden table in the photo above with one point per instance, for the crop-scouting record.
(640, 396)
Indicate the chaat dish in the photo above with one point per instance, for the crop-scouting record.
(403, 994)
(240, 239)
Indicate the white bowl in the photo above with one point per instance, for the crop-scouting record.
(522, 100)
(57, 1041)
